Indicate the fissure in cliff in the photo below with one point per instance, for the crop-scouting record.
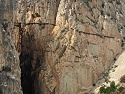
(29, 29)
(31, 61)
(34, 30)
(85, 39)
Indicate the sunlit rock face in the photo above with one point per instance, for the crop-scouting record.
(63, 45)
(86, 38)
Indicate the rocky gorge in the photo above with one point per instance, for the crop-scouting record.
(58, 46)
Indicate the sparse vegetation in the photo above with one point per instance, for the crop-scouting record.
(86, 1)
(108, 14)
(106, 76)
(6, 69)
(112, 89)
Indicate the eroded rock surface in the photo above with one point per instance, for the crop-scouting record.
(10, 73)
(65, 45)
(35, 21)
(10, 82)
(85, 41)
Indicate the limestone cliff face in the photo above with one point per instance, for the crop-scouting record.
(10, 82)
(65, 45)
(34, 20)
(85, 41)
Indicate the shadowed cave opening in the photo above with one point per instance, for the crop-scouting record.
(26, 78)
(31, 63)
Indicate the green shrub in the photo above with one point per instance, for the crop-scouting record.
(113, 88)
(120, 89)
(102, 89)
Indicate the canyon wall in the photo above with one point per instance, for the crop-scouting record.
(34, 22)
(85, 41)
(10, 73)
(63, 45)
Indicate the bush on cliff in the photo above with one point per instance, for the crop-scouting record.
(112, 89)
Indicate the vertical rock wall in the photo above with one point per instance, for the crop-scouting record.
(63, 45)
(35, 20)
(10, 72)
(85, 41)
(10, 82)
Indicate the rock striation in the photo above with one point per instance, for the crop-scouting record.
(62, 46)
(10, 73)
(85, 41)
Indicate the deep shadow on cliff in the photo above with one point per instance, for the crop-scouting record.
(61, 46)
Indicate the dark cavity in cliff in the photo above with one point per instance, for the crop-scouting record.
(31, 63)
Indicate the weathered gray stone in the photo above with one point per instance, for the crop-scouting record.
(64, 45)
